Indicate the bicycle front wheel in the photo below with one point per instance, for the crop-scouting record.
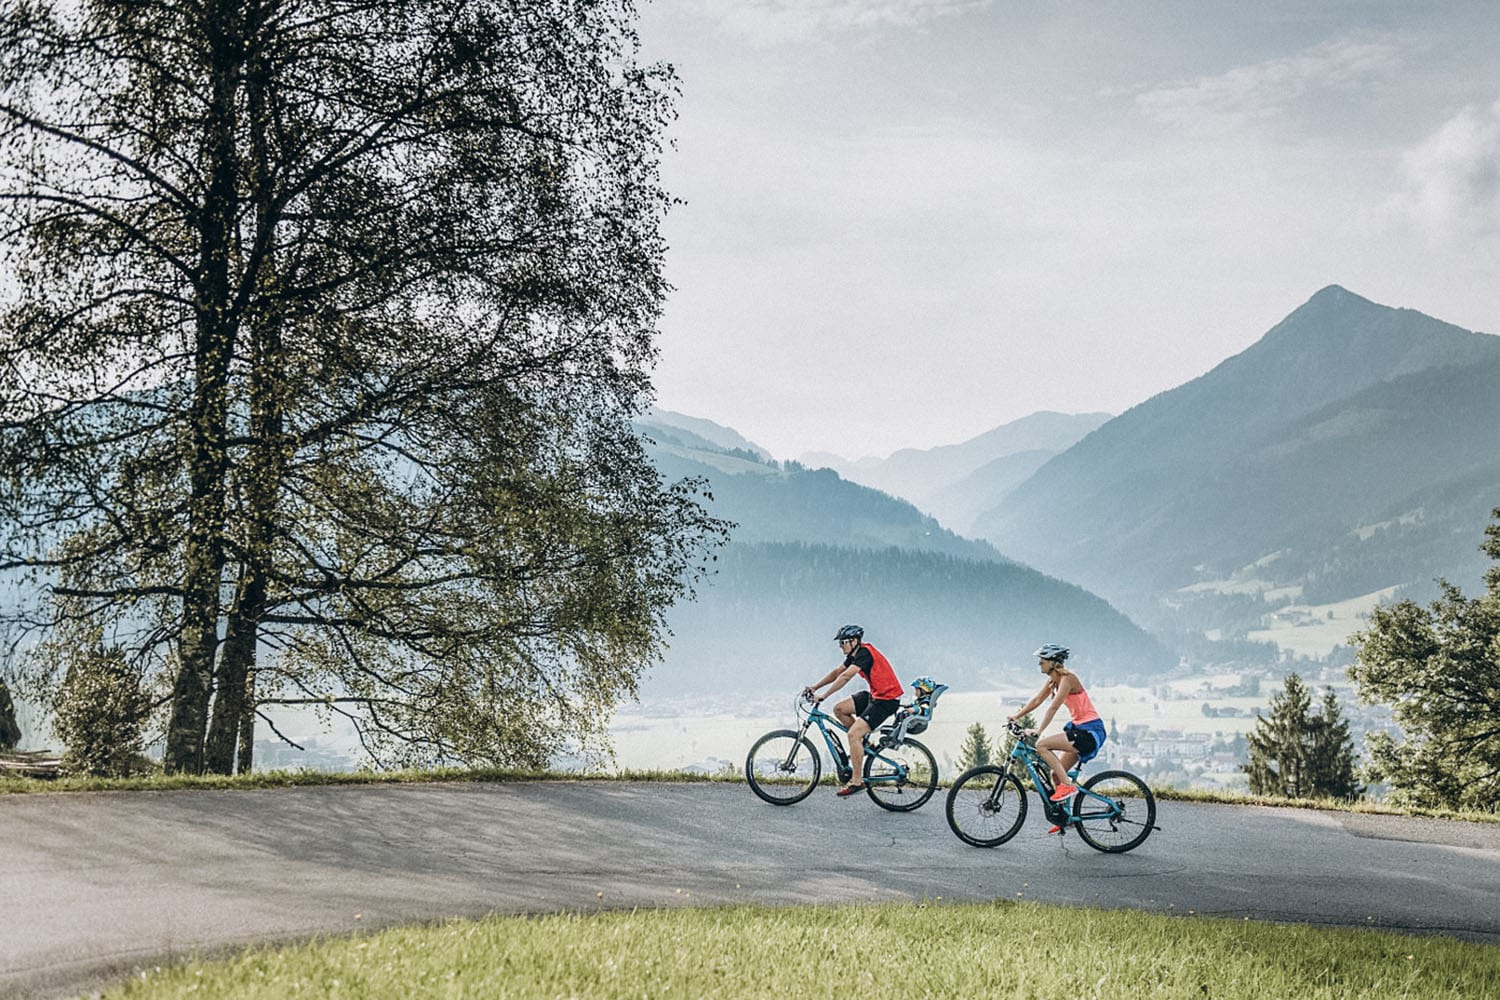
(783, 767)
(986, 806)
(902, 778)
(1116, 813)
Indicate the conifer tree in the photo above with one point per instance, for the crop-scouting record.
(975, 751)
(1299, 754)
(1332, 758)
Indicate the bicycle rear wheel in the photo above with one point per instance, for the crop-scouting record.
(986, 806)
(1123, 820)
(902, 778)
(783, 767)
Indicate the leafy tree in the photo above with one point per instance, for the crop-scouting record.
(325, 325)
(975, 751)
(1439, 669)
(1299, 754)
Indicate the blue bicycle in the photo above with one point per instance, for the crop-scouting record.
(1113, 811)
(784, 766)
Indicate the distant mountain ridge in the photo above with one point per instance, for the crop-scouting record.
(954, 482)
(775, 502)
(960, 503)
(1346, 414)
(679, 426)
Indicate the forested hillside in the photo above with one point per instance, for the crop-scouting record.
(771, 502)
(765, 622)
(811, 551)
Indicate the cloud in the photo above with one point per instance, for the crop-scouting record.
(1262, 91)
(773, 22)
(1454, 176)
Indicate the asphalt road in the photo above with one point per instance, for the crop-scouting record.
(95, 886)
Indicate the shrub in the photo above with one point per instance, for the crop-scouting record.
(101, 711)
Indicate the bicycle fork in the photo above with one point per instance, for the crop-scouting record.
(790, 763)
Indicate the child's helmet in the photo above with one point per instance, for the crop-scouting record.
(924, 686)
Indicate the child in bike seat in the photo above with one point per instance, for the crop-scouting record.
(1081, 737)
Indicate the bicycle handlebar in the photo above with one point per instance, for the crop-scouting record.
(1014, 728)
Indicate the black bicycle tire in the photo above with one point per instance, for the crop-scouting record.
(1081, 802)
(1015, 790)
(920, 800)
(775, 800)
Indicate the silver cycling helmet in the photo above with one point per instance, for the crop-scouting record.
(1052, 651)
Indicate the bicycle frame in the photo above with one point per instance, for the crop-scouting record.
(1029, 757)
(816, 716)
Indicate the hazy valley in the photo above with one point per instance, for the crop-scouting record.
(1208, 540)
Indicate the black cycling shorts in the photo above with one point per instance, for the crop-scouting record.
(1086, 738)
(1083, 741)
(874, 712)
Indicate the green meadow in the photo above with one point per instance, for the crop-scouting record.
(1012, 949)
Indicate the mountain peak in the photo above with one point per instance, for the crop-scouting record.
(1333, 304)
(1334, 295)
(1336, 343)
(1338, 317)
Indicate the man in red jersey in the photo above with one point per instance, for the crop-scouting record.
(867, 709)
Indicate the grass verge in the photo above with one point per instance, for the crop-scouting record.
(286, 779)
(1009, 949)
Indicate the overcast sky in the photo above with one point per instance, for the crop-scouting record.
(910, 221)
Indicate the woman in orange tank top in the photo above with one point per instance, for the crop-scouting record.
(1084, 733)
